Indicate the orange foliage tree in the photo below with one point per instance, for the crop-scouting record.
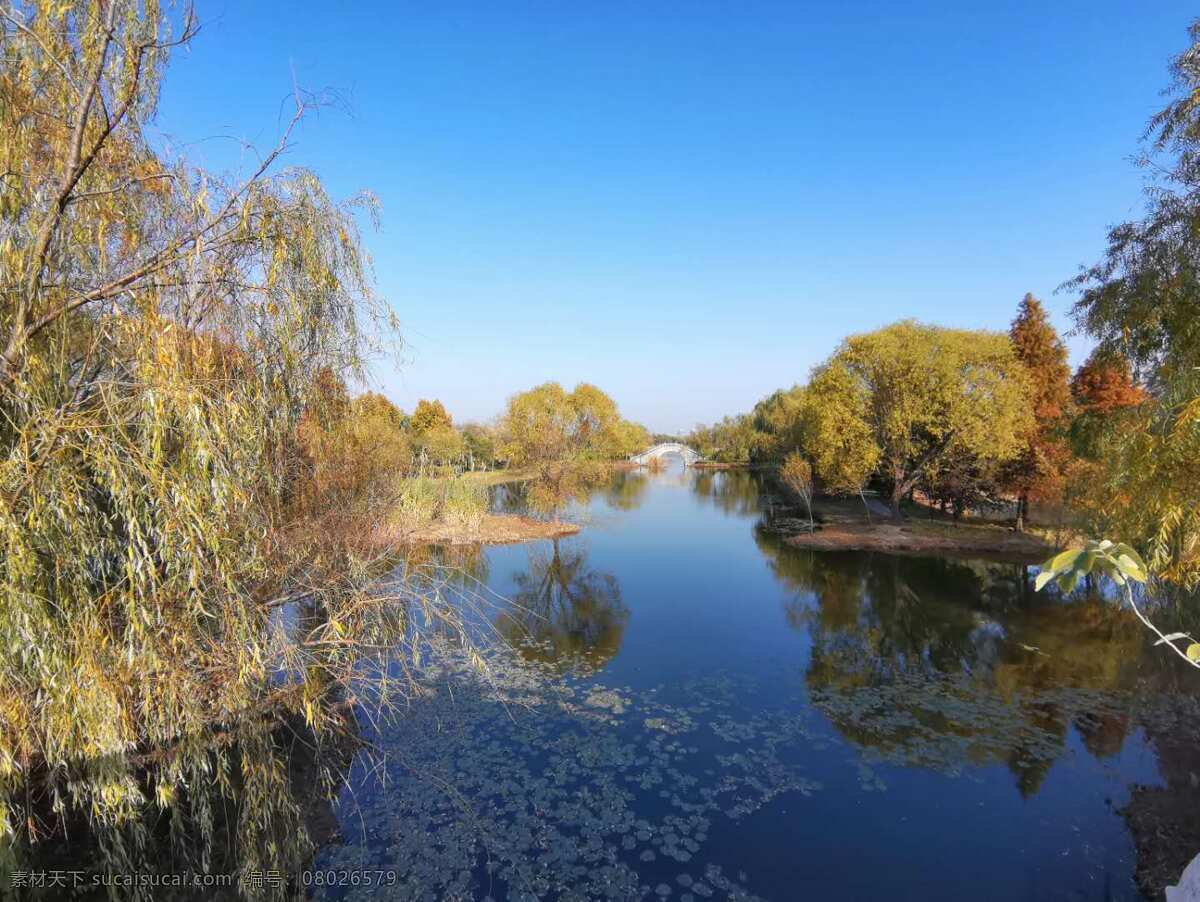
(1038, 471)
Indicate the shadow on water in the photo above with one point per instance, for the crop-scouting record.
(236, 814)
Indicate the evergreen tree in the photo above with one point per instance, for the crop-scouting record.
(1037, 472)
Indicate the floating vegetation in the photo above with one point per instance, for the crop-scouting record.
(525, 785)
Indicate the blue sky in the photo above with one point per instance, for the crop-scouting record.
(690, 204)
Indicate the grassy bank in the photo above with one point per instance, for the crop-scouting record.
(454, 511)
(490, 529)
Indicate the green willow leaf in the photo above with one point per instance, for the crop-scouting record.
(1063, 560)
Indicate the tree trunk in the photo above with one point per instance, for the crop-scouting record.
(1022, 512)
(900, 487)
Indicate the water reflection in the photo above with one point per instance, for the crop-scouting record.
(549, 488)
(731, 491)
(719, 777)
(507, 497)
(626, 490)
(462, 565)
(238, 813)
(947, 663)
(564, 612)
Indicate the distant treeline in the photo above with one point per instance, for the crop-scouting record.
(968, 418)
(545, 423)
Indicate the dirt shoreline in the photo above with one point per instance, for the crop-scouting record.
(844, 525)
(902, 538)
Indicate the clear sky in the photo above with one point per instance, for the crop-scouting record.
(689, 204)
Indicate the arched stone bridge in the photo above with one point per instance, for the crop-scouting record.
(689, 456)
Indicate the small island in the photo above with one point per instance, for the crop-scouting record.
(844, 525)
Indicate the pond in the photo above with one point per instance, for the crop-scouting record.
(711, 713)
(696, 709)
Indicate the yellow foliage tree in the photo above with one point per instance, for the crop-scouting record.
(564, 437)
(430, 415)
(796, 473)
(837, 430)
(355, 453)
(910, 396)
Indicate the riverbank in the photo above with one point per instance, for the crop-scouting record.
(454, 510)
(495, 477)
(846, 525)
(489, 529)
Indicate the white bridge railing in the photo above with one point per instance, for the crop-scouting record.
(689, 455)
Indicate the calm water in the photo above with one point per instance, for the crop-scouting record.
(699, 710)
(708, 712)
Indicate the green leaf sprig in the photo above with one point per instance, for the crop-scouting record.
(1123, 565)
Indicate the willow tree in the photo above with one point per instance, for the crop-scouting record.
(914, 396)
(1141, 298)
(1142, 302)
(161, 336)
(779, 423)
(837, 431)
(796, 473)
(732, 440)
(629, 438)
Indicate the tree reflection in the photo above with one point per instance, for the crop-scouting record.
(563, 612)
(255, 798)
(557, 484)
(627, 489)
(732, 491)
(946, 663)
(459, 564)
(552, 486)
